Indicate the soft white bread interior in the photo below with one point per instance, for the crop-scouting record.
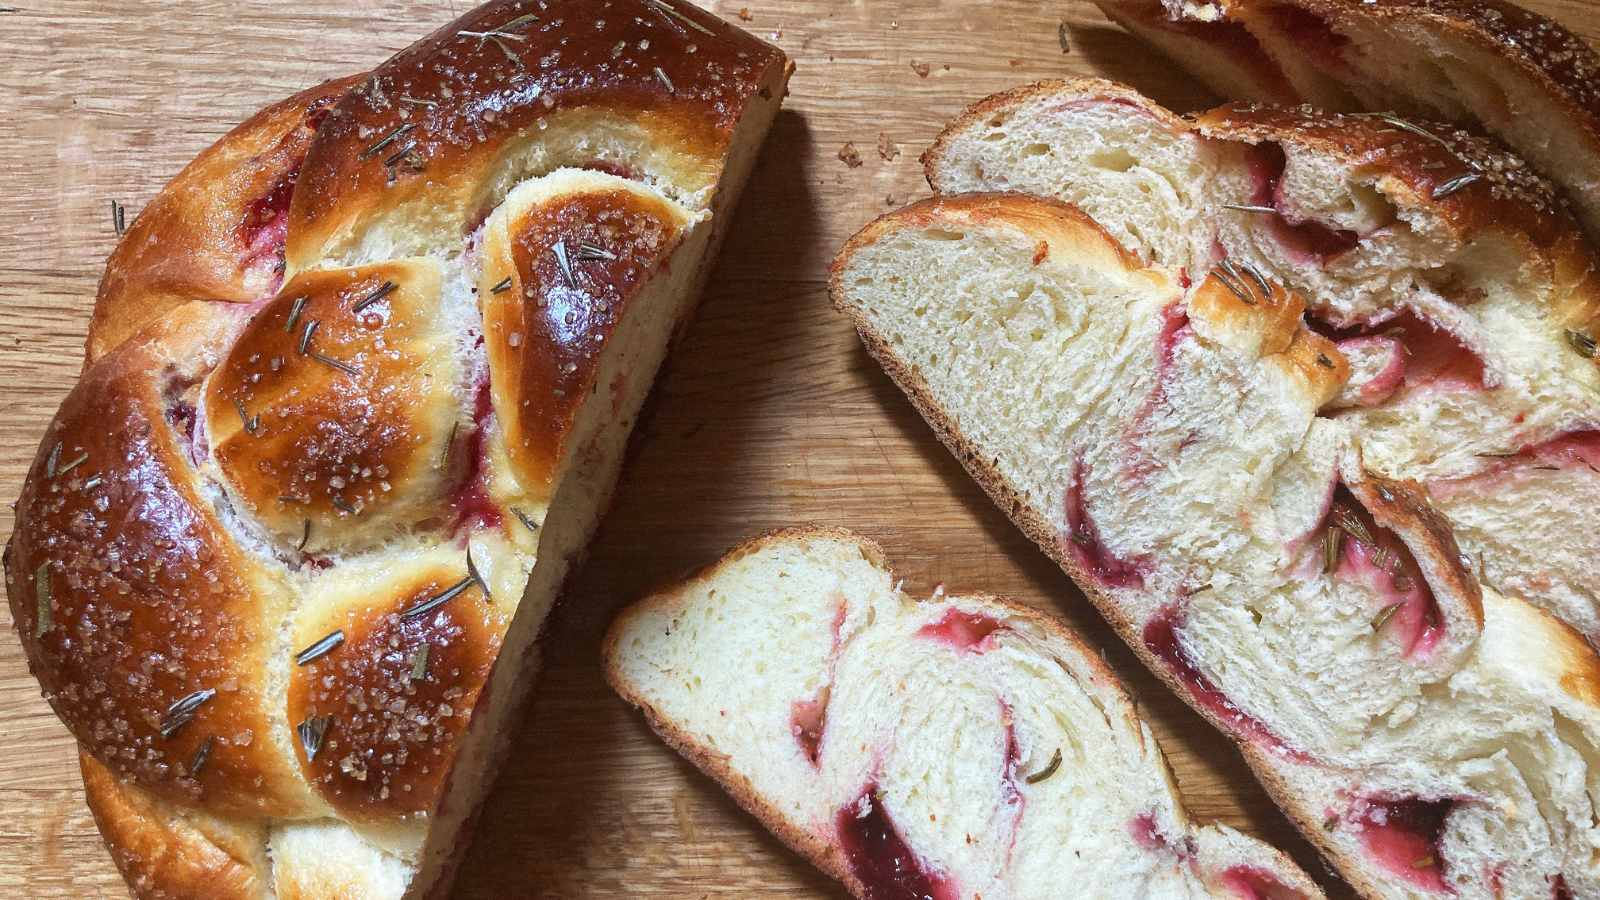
(1487, 65)
(1462, 295)
(958, 747)
(1165, 445)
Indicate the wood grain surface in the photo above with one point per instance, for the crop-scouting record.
(769, 414)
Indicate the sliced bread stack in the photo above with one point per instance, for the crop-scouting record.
(1202, 458)
(1448, 275)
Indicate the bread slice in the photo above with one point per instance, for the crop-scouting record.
(1163, 443)
(1487, 65)
(1462, 295)
(963, 747)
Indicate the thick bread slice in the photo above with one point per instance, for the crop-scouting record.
(1487, 65)
(1462, 296)
(960, 747)
(1163, 444)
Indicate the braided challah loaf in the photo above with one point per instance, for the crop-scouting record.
(960, 747)
(1164, 436)
(1463, 297)
(1487, 65)
(358, 386)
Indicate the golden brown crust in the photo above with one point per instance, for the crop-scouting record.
(1263, 319)
(1503, 192)
(115, 534)
(392, 712)
(241, 452)
(566, 271)
(1058, 225)
(1468, 184)
(1471, 184)
(677, 74)
(1570, 653)
(325, 413)
(166, 853)
(1513, 54)
(214, 231)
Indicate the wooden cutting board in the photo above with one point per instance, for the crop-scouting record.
(769, 414)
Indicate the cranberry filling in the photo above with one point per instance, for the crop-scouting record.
(1378, 368)
(263, 212)
(879, 858)
(265, 227)
(1255, 883)
(1145, 834)
(1139, 462)
(1161, 639)
(1403, 837)
(1434, 358)
(182, 416)
(806, 721)
(1306, 243)
(1008, 773)
(1314, 38)
(1083, 544)
(969, 632)
(1374, 557)
(1574, 451)
(1438, 359)
(1559, 889)
(473, 507)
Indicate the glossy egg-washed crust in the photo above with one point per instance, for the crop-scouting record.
(807, 839)
(167, 852)
(1424, 533)
(546, 321)
(246, 426)
(301, 440)
(674, 78)
(194, 239)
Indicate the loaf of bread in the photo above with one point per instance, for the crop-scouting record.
(959, 747)
(1487, 65)
(1462, 295)
(358, 386)
(1162, 435)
